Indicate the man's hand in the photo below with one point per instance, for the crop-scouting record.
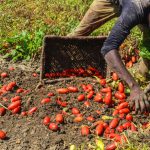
(139, 99)
(137, 96)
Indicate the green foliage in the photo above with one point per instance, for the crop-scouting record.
(24, 23)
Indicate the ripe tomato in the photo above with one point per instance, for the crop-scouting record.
(46, 120)
(120, 129)
(121, 87)
(108, 98)
(2, 135)
(4, 75)
(53, 126)
(129, 117)
(85, 130)
(133, 127)
(16, 98)
(111, 146)
(103, 82)
(16, 110)
(98, 97)
(99, 129)
(75, 111)
(73, 89)
(20, 90)
(50, 94)
(81, 97)
(45, 100)
(90, 118)
(59, 118)
(124, 111)
(133, 59)
(105, 90)
(14, 105)
(119, 95)
(126, 125)
(116, 111)
(78, 119)
(24, 113)
(87, 104)
(123, 105)
(90, 94)
(62, 91)
(113, 124)
(32, 110)
(2, 111)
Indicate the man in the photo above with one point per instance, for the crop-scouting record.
(132, 13)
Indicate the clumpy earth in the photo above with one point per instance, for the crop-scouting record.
(29, 133)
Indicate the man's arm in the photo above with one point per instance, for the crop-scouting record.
(125, 23)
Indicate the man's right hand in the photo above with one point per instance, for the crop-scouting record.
(140, 100)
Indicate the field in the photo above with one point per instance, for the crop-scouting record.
(75, 123)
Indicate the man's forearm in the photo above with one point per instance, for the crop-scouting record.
(113, 59)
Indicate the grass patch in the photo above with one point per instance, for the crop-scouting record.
(24, 23)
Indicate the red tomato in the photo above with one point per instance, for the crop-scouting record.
(126, 125)
(105, 90)
(59, 118)
(98, 97)
(73, 89)
(129, 117)
(11, 68)
(90, 94)
(53, 127)
(89, 87)
(16, 98)
(108, 98)
(45, 100)
(123, 105)
(50, 94)
(4, 75)
(98, 112)
(113, 124)
(9, 88)
(108, 130)
(81, 97)
(111, 146)
(121, 87)
(87, 104)
(116, 111)
(62, 91)
(78, 119)
(84, 87)
(124, 111)
(16, 110)
(120, 129)
(14, 105)
(32, 110)
(120, 96)
(99, 129)
(114, 76)
(34, 74)
(75, 111)
(105, 125)
(20, 90)
(90, 118)
(133, 127)
(46, 120)
(2, 111)
(133, 59)
(103, 82)
(24, 113)
(121, 116)
(61, 103)
(13, 84)
(2, 135)
(85, 130)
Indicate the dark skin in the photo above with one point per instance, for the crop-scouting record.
(137, 96)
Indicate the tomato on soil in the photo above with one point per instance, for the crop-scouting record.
(45, 100)
(14, 105)
(46, 120)
(114, 76)
(75, 111)
(85, 130)
(99, 129)
(62, 91)
(59, 118)
(2, 111)
(81, 97)
(113, 124)
(32, 110)
(2, 135)
(98, 97)
(53, 126)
